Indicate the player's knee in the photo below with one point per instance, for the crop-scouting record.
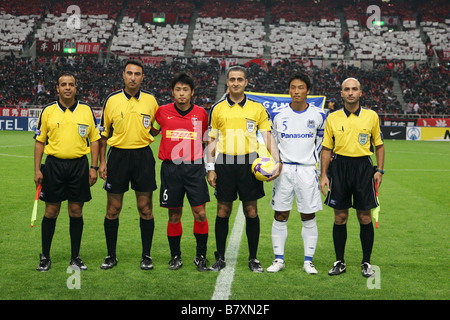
(113, 211)
(340, 217)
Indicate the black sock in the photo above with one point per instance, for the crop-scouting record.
(202, 240)
(221, 226)
(147, 228)
(252, 228)
(339, 239)
(75, 230)
(174, 245)
(47, 232)
(111, 230)
(366, 235)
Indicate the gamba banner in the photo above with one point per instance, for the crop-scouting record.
(274, 103)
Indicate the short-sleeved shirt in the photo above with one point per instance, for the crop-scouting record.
(236, 124)
(67, 132)
(299, 134)
(182, 133)
(127, 120)
(352, 134)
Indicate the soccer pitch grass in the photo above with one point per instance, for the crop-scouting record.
(411, 246)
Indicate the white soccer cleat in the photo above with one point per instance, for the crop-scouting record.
(276, 266)
(309, 268)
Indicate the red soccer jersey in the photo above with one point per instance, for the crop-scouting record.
(182, 136)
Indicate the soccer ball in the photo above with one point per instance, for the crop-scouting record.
(263, 168)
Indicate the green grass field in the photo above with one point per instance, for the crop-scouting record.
(411, 245)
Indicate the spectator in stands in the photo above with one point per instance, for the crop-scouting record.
(331, 106)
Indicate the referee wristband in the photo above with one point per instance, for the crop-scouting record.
(210, 166)
(96, 168)
(380, 171)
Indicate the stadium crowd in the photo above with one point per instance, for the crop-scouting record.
(425, 89)
(32, 82)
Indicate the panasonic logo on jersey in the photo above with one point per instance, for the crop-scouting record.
(297, 135)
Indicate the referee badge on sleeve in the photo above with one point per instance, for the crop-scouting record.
(146, 121)
(82, 130)
(363, 138)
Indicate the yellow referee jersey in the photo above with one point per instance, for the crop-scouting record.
(351, 134)
(67, 131)
(127, 120)
(235, 125)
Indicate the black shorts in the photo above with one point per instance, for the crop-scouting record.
(180, 179)
(130, 165)
(352, 177)
(66, 179)
(234, 176)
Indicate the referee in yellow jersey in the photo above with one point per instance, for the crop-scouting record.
(349, 133)
(66, 132)
(126, 122)
(234, 122)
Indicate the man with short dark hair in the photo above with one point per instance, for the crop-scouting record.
(126, 122)
(234, 122)
(183, 126)
(298, 130)
(66, 131)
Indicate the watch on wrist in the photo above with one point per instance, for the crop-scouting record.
(380, 171)
(96, 168)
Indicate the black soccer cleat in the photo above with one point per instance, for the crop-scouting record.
(77, 263)
(338, 268)
(175, 263)
(219, 264)
(44, 263)
(366, 270)
(201, 263)
(255, 266)
(146, 263)
(110, 262)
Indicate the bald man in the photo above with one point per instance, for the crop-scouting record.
(350, 134)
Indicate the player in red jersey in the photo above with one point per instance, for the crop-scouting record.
(183, 126)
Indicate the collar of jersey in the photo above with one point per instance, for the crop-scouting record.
(307, 106)
(128, 96)
(232, 103)
(71, 108)
(356, 113)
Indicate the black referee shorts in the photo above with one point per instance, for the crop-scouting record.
(182, 179)
(234, 176)
(130, 165)
(352, 177)
(65, 179)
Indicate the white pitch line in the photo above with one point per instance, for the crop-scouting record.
(430, 170)
(222, 290)
(13, 155)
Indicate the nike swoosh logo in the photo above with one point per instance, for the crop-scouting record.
(394, 133)
(170, 117)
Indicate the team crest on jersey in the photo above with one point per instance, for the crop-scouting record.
(250, 125)
(363, 138)
(82, 130)
(194, 121)
(311, 124)
(146, 121)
